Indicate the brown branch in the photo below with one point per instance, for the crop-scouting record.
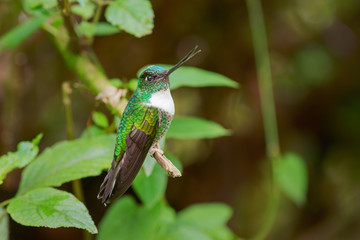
(69, 24)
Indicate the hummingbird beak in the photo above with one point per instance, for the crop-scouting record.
(192, 53)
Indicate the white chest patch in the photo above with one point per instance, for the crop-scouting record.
(163, 100)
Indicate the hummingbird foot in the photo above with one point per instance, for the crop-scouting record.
(165, 163)
(156, 149)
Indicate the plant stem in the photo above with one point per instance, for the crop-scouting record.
(76, 184)
(4, 203)
(262, 60)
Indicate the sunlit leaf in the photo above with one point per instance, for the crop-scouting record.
(17, 35)
(68, 160)
(206, 216)
(291, 177)
(150, 188)
(4, 224)
(48, 207)
(127, 220)
(133, 16)
(192, 127)
(26, 152)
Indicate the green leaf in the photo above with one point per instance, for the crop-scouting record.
(26, 152)
(68, 160)
(133, 16)
(100, 119)
(4, 224)
(48, 207)
(194, 128)
(126, 220)
(195, 77)
(149, 165)
(104, 29)
(151, 188)
(206, 216)
(86, 11)
(92, 131)
(18, 34)
(291, 177)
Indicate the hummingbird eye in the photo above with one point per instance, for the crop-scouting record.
(150, 78)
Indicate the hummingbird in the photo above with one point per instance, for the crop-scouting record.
(145, 120)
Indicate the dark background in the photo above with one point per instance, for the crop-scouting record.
(314, 51)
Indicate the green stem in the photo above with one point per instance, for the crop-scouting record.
(262, 59)
(5, 203)
(76, 184)
(96, 20)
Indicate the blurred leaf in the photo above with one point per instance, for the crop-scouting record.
(100, 119)
(179, 232)
(175, 161)
(39, 7)
(291, 177)
(68, 160)
(192, 127)
(132, 84)
(4, 224)
(133, 16)
(93, 131)
(48, 207)
(116, 82)
(17, 35)
(195, 77)
(104, 28)
(26, 152)
(206, 216)
(150, 188)
(149, 165)
(86, 29)
(126, 220)
(86, 11)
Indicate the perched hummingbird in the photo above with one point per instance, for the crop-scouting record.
(144, 122)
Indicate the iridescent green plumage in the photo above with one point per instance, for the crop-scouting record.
(144, 122)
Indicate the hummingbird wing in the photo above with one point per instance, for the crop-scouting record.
(137, 132)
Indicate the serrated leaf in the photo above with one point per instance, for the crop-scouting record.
(17, 35)
(150, 188)
(133, 16)
(26, 152)
(4, 224)
(86, 11)
(104, 29)
(206, 216)
(126, 220)
(196, 77)
(100, 119)
(48, 207)
(291, 177)
(67, 161)
(194, 128)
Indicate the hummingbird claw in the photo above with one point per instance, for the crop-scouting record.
(155, 149)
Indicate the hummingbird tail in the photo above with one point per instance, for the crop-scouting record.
(123, 172)
(108, 184)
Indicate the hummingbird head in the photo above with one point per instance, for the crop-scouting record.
(155, 78)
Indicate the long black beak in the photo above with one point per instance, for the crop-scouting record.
(192, 53)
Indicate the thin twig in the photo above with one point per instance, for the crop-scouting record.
(4, 203)
(76, 184)
(262, 60)
(69, 24)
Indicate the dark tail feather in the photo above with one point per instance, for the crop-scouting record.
(108, 184)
